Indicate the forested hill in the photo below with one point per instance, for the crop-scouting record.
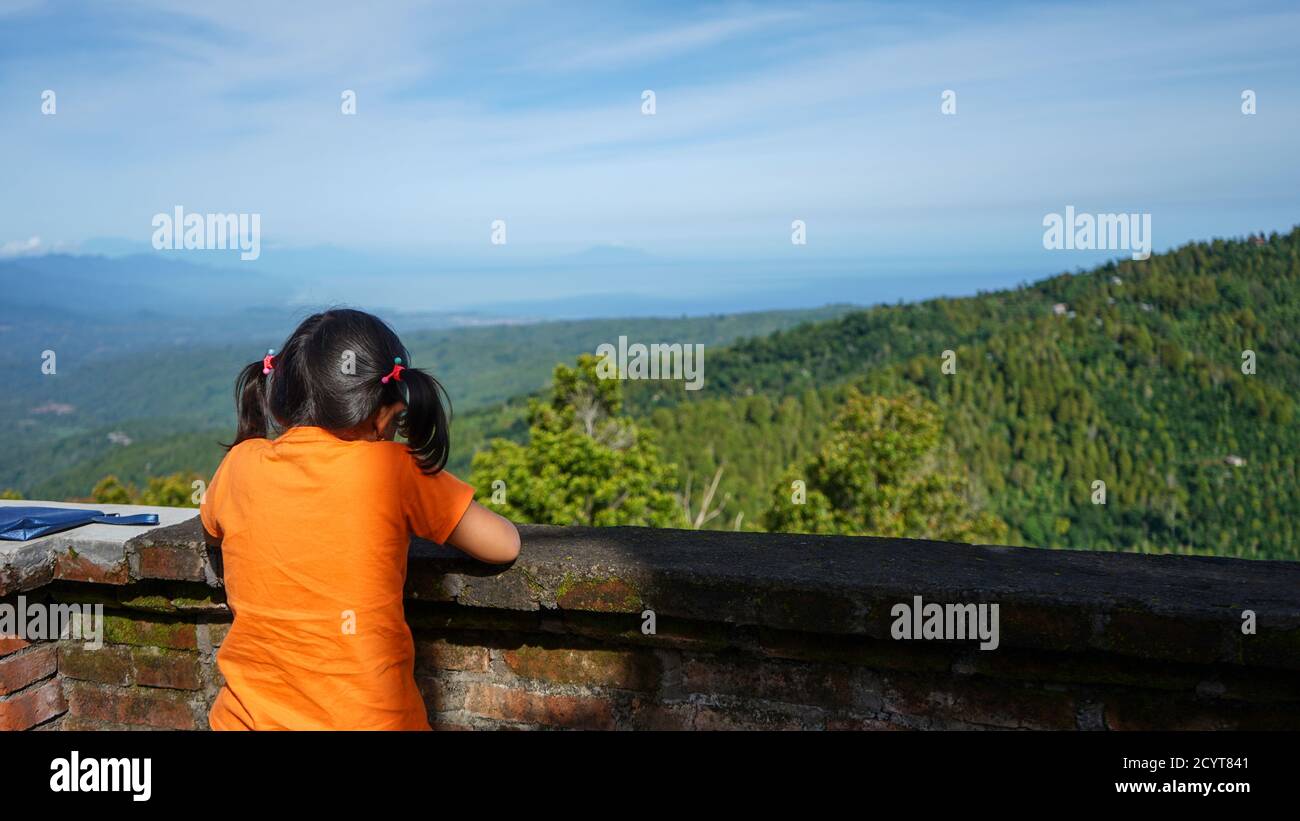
(1172, 382)
(1130, 374)
(149, 401)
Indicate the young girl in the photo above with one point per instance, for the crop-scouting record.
(314, 524)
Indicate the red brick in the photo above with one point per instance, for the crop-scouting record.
(166, 668)
(649, 715)
(441, 654)
(11, 645)
(32, 707)
(165, 562)
(813, 684)
(745, 716)
(73, 723)
(621, 669)
(991, 703)
(134, 706)
(508, 704)
(123, 666)
(19, 670)
(80, 568)
(440, 695)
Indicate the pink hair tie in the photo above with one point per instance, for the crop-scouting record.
(396, 372)
(267, 364)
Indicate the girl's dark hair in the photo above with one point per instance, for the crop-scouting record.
(329, 374)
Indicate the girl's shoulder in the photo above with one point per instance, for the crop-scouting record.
(361, 455)
(248, 446)
(393, 453)
(241, 452)
(396, 458)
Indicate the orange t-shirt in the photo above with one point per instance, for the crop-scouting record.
(314, 532)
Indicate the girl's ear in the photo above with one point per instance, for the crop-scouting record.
(386, 420)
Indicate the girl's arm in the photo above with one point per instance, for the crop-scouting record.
(486, 536)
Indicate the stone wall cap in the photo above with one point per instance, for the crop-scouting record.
(84, 553)
(1178, 608)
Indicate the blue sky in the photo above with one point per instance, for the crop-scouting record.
(531, 113)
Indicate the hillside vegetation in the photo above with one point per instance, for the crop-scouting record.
(1143, 405)
(1127, 384)
(1138, 383)
(174, 402)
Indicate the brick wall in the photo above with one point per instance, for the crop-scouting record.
(155, 668)
(750, 631)
(30, 692)
(602, 673)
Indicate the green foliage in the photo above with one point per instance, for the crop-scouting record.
(883, 470)
(10, 493)
(177, 428)
(111, 491)
(1142, 389)
(176, 490)
(584, 463)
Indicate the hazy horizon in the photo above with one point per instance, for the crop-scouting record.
(321, 276)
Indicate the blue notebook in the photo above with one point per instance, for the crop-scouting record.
(18, 524)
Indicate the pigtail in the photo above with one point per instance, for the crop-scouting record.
(250, 401)
(426, 422)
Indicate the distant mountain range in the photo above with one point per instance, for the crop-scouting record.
(122, 279)
(66, 284)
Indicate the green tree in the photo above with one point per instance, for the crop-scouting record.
(176, 490)
(585, 463)
(883, 471)
(111, 491)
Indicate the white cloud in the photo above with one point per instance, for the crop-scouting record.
(21, 248)
(620, 48)
(33, 247)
